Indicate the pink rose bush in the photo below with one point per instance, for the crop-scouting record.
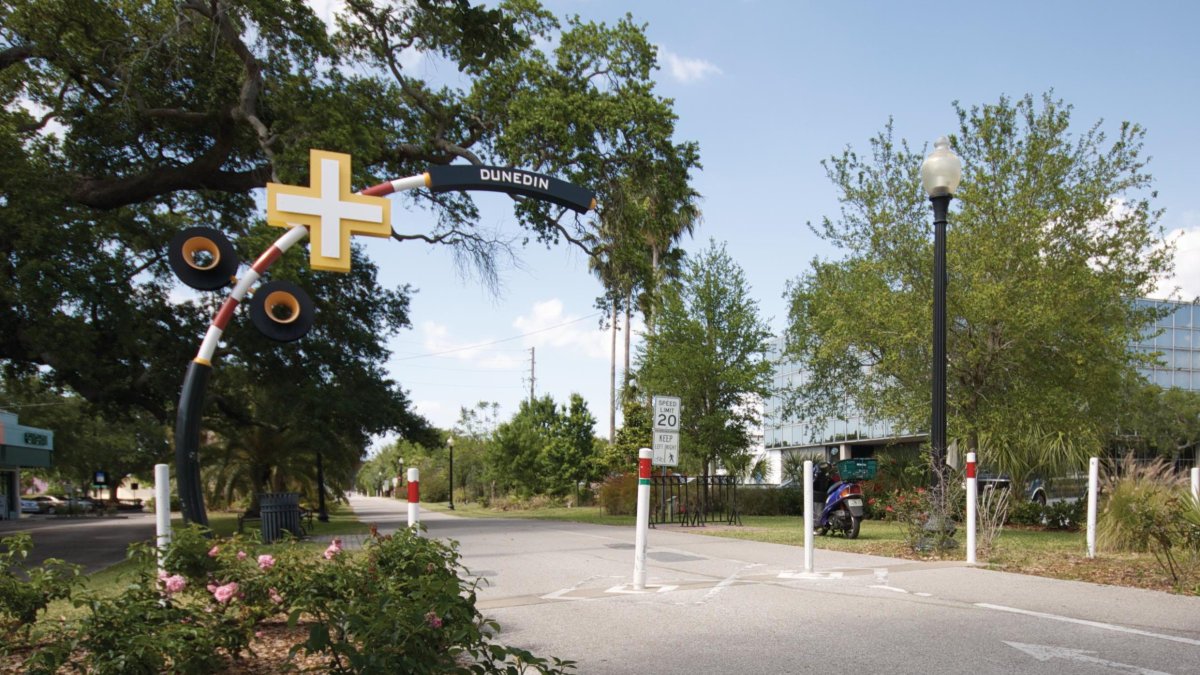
(335, 547)
(225, 593)
(433, 620)
(172, 583)
(266, 562)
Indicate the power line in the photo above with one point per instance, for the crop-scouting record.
(496, 342)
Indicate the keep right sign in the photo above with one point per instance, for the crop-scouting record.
(666, 431)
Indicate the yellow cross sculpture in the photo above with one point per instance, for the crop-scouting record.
(329, 209)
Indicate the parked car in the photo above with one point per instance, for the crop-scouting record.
(50, 504)
(30, 506)
(1038, 489)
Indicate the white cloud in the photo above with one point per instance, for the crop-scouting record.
(436, 340)
(545, 326)
(684, 69)
(1187, 263)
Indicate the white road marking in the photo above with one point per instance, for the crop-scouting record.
(1046, 652)
(811, 576)
(650, 588)
(1093, 624)
(889, 588)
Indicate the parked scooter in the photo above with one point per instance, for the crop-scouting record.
(843, 508)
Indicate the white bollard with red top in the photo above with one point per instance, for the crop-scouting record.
(972, 499)
(643, 518)
(414, 496)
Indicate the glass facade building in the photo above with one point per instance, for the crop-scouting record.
(779, 431)
(1177, 345)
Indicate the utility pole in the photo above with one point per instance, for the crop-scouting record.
(532, 368)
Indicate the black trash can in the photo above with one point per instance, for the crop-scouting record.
(280, 513)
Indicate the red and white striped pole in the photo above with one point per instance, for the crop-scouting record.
(414, 496)
(972, 498)
(643, 519)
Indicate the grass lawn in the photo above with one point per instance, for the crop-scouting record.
(341, 521)
(1048, 553)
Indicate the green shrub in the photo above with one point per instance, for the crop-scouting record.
(769, 501)
(1067, 515)
(400, 606)
(26, 592)
(1027, 513)
(1135, 495)
(618, 494)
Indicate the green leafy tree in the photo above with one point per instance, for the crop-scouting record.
(544, 448)
(709, 349)
(634, 434)
(1157, 421)
(151, 117)
(1053, 239)
(570, 456)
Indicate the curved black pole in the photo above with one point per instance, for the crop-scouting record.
(187, 443)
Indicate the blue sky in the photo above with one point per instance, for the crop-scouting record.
(768, 90)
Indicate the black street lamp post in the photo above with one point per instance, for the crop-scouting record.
(450, 444)
(940, 174)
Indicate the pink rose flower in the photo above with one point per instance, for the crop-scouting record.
(266, 561)
(174, 583)
(212, 552)
(276, 597)
(258, 634)
(225, 593)
(335, 547)
(433, 620)
(241, 555)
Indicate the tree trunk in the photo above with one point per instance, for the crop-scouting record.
(612, 379)
(628, 333)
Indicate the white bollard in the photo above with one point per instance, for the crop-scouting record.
(1196, 484)
(972, 505)
(162, 509)
(643, 519)
(808, 516)
(1093, 489)
(414, 496)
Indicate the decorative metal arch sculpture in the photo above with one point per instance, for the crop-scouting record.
(204, 259)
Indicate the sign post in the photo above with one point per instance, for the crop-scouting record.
(643, 519)
(666, 431)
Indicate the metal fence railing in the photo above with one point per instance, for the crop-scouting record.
(694, 501)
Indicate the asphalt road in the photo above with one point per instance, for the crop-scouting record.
(725, 606)
(94, 542)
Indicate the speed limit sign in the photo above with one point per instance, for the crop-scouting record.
(666, 413)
